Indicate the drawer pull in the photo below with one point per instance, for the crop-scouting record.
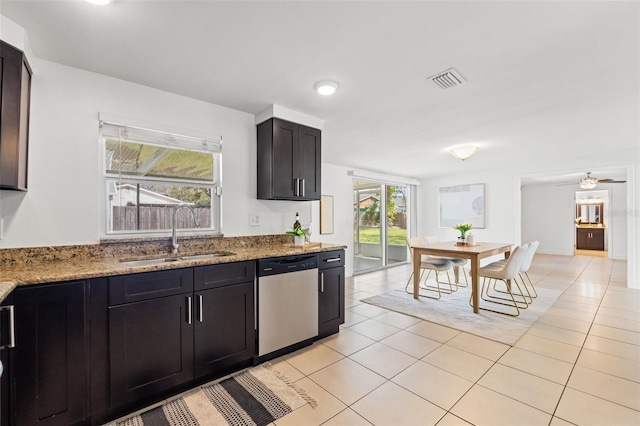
(333, 259)
(12, 327)
(189, 313)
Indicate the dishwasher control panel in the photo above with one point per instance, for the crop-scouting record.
(280, 265)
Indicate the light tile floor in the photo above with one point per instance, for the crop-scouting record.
(579, 364)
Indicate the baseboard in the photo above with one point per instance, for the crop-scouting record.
(617, 256)
(556, 252)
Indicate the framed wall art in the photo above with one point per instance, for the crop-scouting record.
(326, 214)
(461, 203)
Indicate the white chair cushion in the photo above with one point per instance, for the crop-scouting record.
(436, 264)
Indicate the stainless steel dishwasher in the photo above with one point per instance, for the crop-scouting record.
(287, 303)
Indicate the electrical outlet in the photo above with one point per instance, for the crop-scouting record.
(254, 220)
(1, 228)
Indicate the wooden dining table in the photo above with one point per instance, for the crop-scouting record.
(450, 249)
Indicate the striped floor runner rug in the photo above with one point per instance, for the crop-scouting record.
(254, 397)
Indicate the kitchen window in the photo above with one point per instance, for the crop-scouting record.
(149, 173)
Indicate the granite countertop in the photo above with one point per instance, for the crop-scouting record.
(5, 289)
(38, 272)
(590, 226)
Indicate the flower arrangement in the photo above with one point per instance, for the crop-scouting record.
(463, 228)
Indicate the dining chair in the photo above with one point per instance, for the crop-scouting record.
(458, 262)
(507, 273)
(524, 267)
(430, 263)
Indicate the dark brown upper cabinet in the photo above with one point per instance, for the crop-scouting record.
(15, 81)
(288, 161)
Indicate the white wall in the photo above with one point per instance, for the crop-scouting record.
(548, 214)
(616, 218)
(64, 159)
(337, 183)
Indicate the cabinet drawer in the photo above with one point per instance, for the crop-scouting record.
(149, 285)
(222, 275)
(330, 259)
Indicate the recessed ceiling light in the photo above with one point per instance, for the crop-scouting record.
(99, 2)
(326, 87)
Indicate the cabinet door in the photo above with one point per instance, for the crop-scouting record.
(224, 328)
(50, 358)
(285, 146)
(330, 301)
(309, 164)
(582, 239)
(289, 163)
(5, 341)
(15, 90)
(151, 347)
(597, 239)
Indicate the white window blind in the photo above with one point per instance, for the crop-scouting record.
(154, 137)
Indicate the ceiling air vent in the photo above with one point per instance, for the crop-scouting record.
(447, 79)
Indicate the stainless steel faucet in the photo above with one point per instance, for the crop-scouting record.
(174, 238)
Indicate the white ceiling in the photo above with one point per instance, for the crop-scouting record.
(549, 84)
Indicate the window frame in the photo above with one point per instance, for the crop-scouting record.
(106, 177)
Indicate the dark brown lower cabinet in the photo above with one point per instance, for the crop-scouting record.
(590, 238)
(49, 363)
(151, 348)
(330, 292)
(6, 349)
(90, 351)
(164, 344)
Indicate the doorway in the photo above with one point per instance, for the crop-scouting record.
(592, 235)
(380, 225)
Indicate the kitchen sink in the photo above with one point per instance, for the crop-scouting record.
(157, 260)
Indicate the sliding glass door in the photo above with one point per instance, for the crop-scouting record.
(396, 224)
(380, 225)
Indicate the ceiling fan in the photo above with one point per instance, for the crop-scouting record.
(590, 182)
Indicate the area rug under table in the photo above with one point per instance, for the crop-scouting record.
(453, 310)
(254, 397)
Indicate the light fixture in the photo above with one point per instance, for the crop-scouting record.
(588, 183)
(326, 87)
(99, 2)
(463, 152)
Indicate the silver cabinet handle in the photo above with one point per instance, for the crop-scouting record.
(296, 183)
(12, 327)
(189, 316)
(322, 282)
(302, 187)
(200, 308)
(333, 259)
